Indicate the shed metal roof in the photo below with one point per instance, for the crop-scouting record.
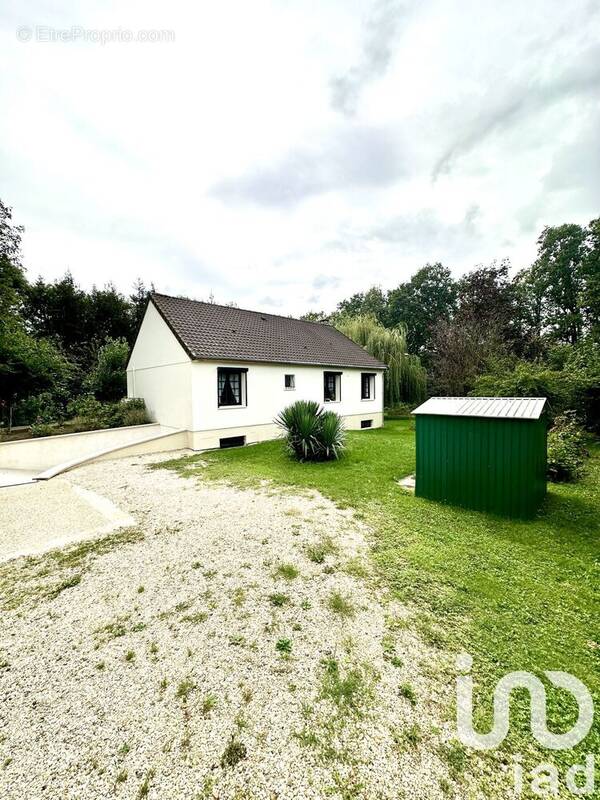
(489, 407)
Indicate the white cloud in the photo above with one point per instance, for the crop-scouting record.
(282, 154)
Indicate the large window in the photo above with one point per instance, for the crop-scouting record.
(367, 385)
(332, 384)
(231, 386)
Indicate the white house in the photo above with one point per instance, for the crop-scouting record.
(223, 374)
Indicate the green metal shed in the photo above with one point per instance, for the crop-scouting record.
(484, 453)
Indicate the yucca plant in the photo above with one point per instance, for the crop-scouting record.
(301, 423)
(311, 433)
(332, 436)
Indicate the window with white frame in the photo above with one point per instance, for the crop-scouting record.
(332, 387)
(367, 385)
(231, 386)
(290, 382)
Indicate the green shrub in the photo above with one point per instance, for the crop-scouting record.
(40, 428)
(312, 434)
(566, 449)
(108, 378)
(91, 415)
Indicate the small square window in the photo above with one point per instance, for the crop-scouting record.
(290, 381)
(367, 386)
(332, 386)
(366, 423)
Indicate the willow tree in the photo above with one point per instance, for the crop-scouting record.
(405, 378)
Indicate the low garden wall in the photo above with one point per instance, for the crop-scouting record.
(44, 452)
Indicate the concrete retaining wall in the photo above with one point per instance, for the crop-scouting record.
(40, 454)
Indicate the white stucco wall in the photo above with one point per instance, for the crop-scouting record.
(267, 396)
(159, 371)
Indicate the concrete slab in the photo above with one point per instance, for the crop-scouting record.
(15, 477)
(408, 483)
(51, 514)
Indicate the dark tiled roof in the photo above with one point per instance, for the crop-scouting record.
(212, 332)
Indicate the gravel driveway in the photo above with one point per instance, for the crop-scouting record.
(231, 644)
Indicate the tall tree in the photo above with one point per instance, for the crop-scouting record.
(419, 304)
(405, 378)
(591, 273)
(559, 273)
(373, 302)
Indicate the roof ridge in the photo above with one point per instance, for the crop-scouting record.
(247, 310)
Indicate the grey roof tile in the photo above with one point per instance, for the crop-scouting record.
(213, 332)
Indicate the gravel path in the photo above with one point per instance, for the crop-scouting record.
(40, 516)
(230, 645)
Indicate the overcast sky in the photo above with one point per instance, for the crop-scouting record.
(284, 155)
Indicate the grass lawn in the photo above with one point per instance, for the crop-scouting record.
(517, 595)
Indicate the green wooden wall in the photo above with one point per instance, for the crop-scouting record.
(494, 465)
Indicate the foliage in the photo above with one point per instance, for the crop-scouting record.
(372, 303)
(569, 378)
(108, 379)
(88, 414)
(559, 275)
(488, 581)
(312, 434)
(419, 304)
(566, 449)
(405, 378)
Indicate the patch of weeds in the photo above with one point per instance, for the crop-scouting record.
(329, 569)
(183, 606)
(163, 684)
(306, 605)
(34, 578)
(455, 755)
(410, 737)
(207, 788)
(357, 567)
(279, 599)
(139, 626)
(433, 635)
(196, 565)
(7, 762)
(287, 571)
(185, 687)
(241, 722)
(121, 776)
(239, 597)
(123, 750)
(68, 583)
(247, 694)
(145, 787)
(349, 690)
(234, 753)
(196, 618)
(237, 640)
(209, 573)
(153, 648)
(292, 512)
(130, 655)
(112, 630)
(284, 647)
(296, 626)
(407, 691)
(341, 605)
(209, 701)
(141, 589)
(306, 738)
(100, 666)
(396, 661)
(318, 552)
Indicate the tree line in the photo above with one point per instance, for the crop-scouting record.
(488, 333)
(536, 333)
(57, 341)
